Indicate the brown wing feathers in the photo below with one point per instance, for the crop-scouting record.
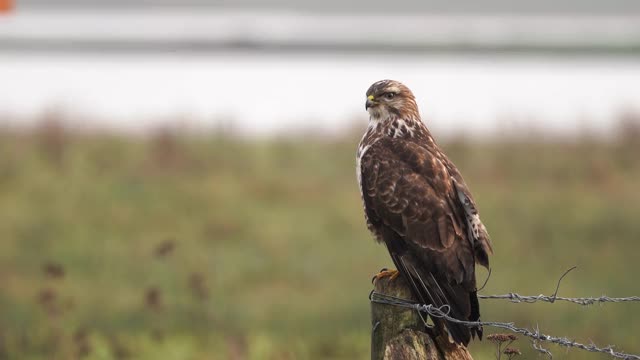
(411, 205)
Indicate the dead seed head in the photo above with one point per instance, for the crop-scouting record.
(499, 338)
(512, 351)
(53, 270)
(152, 299)
(165, 248)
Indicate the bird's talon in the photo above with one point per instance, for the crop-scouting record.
(391, 274)
(394, 275)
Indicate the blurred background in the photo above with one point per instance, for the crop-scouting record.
(177, 178)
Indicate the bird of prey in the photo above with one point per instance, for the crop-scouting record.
(418, 205)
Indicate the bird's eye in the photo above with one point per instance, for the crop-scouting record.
(389, 95)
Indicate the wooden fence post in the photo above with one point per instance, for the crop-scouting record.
(399, 333)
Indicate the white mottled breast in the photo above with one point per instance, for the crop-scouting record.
(400, 128)
(362, 149)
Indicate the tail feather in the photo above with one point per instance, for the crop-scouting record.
(429, 287)
(475, 314)
(461, 303)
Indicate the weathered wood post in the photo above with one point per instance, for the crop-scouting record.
(399, 333)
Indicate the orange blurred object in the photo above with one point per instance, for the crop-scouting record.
(6, 5)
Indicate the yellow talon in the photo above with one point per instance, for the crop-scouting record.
(392, 274)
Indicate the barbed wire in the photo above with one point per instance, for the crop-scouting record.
(443, 313)
(539, 348)
(517, 298)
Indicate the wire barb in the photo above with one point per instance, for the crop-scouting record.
(485, 281)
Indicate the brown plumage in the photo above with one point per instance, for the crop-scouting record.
(417, 204)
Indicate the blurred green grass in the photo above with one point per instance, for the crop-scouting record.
(180, 246)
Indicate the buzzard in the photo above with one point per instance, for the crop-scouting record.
(418, 205)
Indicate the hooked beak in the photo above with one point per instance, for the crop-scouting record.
(369, 102)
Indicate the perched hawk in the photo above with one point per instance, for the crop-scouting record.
(418, 205)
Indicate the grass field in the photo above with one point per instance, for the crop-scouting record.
(205, 247)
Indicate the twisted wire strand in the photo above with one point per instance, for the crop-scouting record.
(535, 335)
(517, 298)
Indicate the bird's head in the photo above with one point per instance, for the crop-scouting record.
(389, 97)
